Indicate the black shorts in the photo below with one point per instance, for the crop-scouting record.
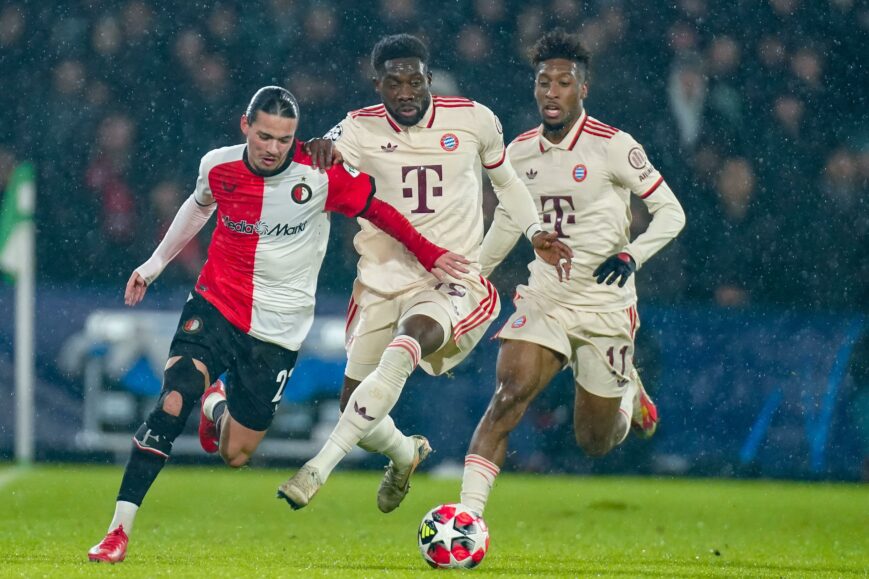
(257, 371)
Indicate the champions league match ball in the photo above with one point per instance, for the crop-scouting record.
(452, 536)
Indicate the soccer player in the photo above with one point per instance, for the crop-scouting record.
(581, 173)
(253, 303)
(427, 153)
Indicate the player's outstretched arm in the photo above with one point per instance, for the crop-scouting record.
(189, 220)
(433, 258)
(351, 193)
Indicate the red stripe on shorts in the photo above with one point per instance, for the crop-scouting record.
(352, 308)
(480, 314)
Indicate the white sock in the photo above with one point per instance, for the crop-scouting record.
(125, 514)
(626, 407)
(369, 404)
(387, 439)
(477, 482)
(210, 402)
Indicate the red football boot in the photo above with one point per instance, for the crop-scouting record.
(207, 429)
(112, 549)
(645, 419)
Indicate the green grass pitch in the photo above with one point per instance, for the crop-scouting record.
(213, 522)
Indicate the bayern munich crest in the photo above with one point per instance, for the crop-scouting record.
(519, 322)
(580, 173)
(449, 142)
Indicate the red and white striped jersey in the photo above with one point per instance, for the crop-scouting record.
(430, 172)
(270, 239)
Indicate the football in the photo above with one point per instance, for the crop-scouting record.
(453, 536)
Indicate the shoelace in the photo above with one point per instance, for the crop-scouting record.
(114, 539)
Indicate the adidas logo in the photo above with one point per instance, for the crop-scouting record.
(362, 411)
(388, 147)
(530, 173)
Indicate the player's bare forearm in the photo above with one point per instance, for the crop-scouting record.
(554, 252)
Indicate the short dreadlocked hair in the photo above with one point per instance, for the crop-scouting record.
(398, 46)
(559, 44)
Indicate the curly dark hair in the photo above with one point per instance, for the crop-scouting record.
(558, 43)
(398, 46)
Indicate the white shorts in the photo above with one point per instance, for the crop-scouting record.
(463, 308)
(598, 346)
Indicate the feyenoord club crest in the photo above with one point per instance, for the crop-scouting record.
(449, 142)
(519, 322)
(580, 173)
(301, 193)
(192, 325)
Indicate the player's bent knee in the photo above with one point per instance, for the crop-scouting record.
(183, 383)
(183, 373)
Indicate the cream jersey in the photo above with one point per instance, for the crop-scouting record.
(432, 174)
(581, 187)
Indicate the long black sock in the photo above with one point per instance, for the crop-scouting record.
(152, 445)
(142, 469)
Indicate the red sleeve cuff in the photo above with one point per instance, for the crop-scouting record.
(497, 163)
(653, 187)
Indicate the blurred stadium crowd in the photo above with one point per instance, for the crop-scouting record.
(754, 111)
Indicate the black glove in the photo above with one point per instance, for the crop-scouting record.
(616, 267)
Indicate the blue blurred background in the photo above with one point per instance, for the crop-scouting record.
(753, 337)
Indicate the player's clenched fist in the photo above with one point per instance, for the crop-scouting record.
(553, 252)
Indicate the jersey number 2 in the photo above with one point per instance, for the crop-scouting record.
(282, 378)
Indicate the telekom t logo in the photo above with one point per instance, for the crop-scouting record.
(422, 185)
(559, 211)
